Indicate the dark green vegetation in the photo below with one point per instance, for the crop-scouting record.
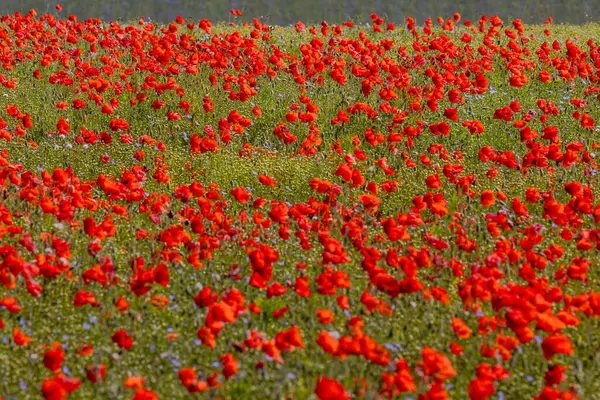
(285, 12)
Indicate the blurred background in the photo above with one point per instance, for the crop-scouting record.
(286, 12)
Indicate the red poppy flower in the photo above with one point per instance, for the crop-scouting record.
(122, 339)
(557, 344)
(241, 194)
(330, 389)
(20, 338)
(54, 357)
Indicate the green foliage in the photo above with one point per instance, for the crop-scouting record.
(285, 12)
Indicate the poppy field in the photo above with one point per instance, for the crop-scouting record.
(338, 211)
